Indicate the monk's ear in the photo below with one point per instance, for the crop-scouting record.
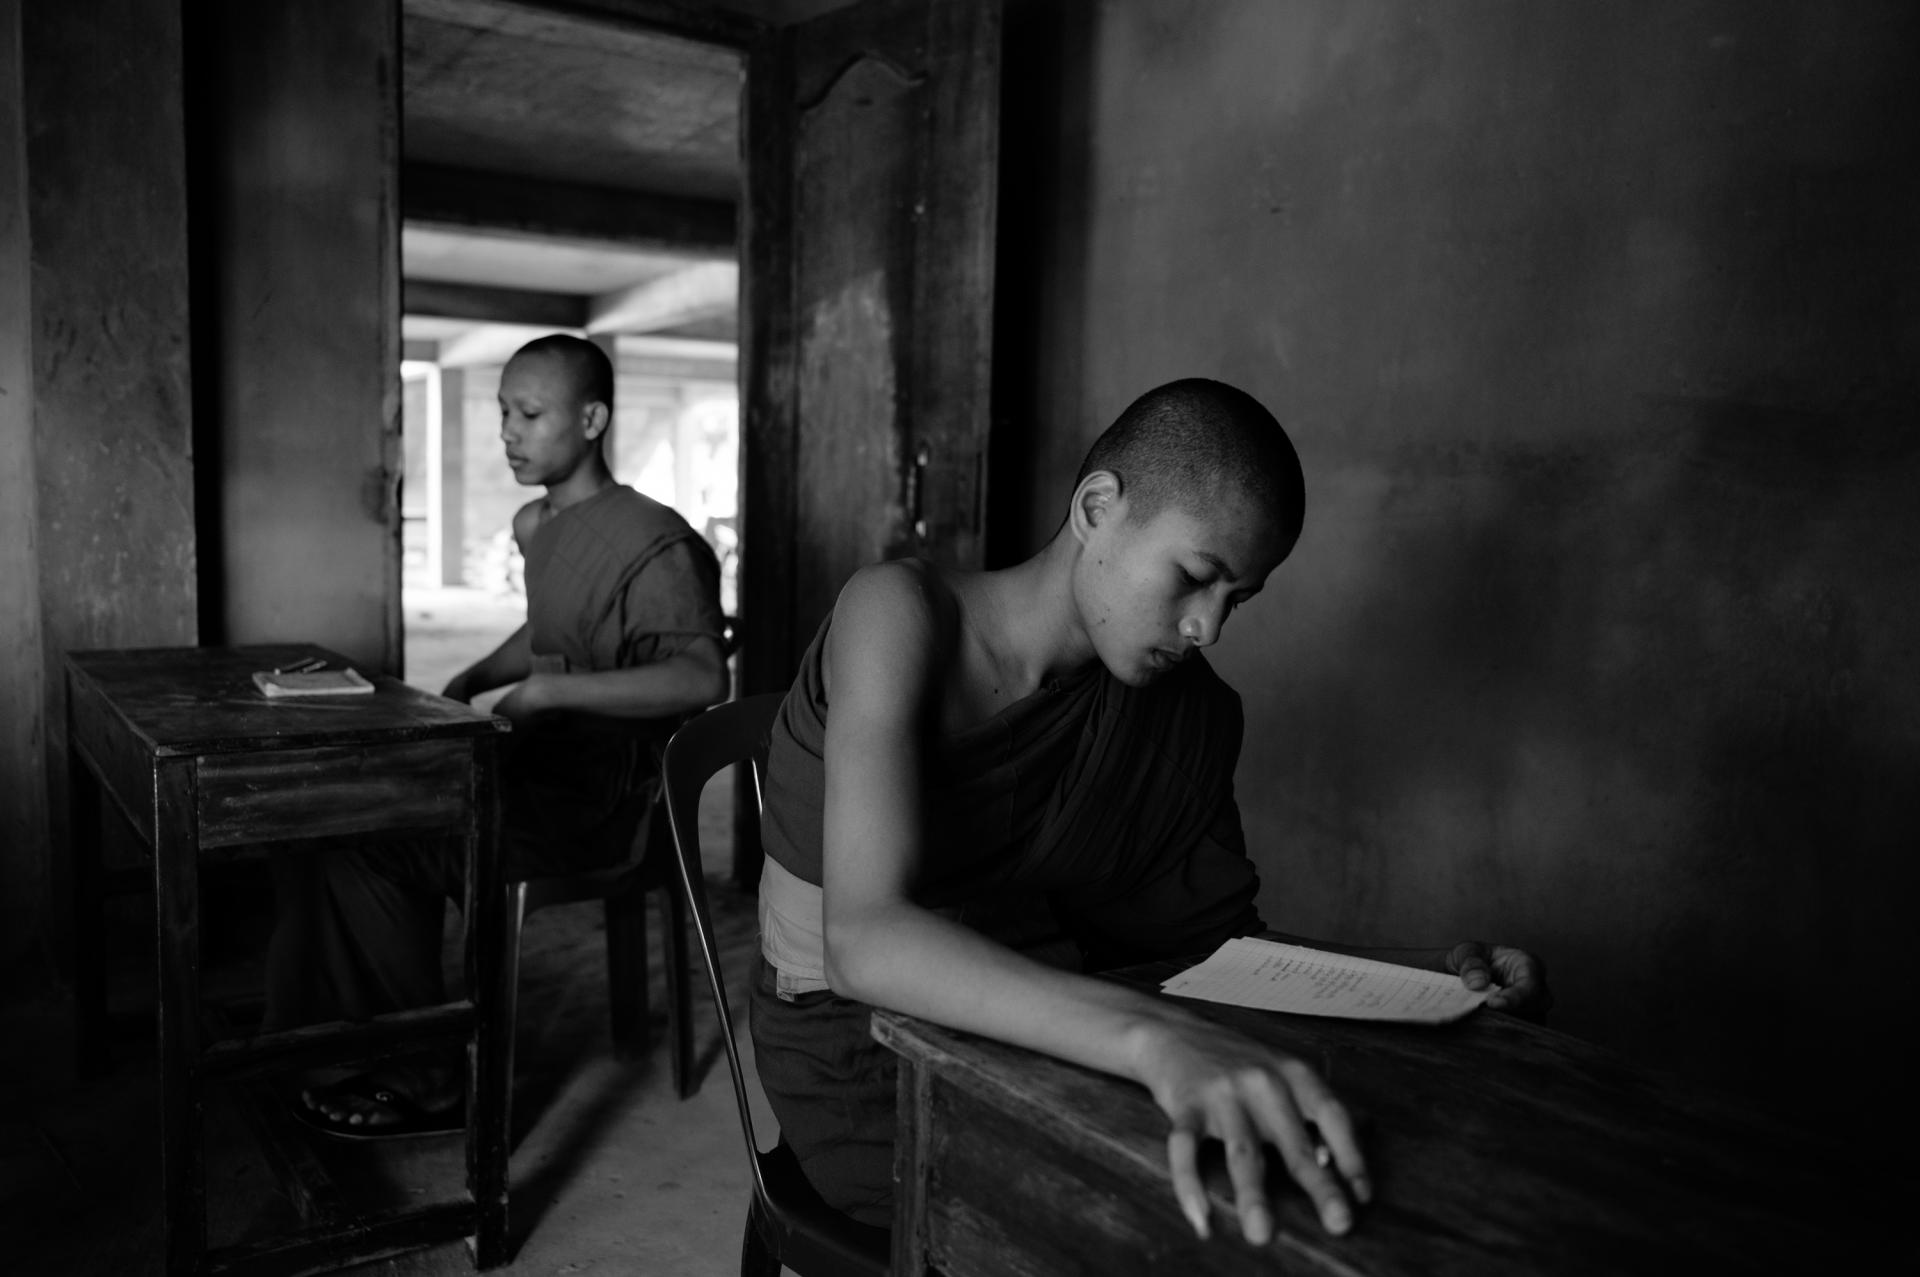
(1096, 502)
(595, 420)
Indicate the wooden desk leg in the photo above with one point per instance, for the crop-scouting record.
(176, 893)
(910, 1136)
(84, 796)
(488, 1084)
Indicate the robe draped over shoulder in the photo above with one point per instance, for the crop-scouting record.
(616, 581)
(1115, 802)
(619, 580)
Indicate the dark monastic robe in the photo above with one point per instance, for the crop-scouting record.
(613, 582)
(1114, 804)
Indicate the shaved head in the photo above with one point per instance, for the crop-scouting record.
(1196, 443)
(588, 369)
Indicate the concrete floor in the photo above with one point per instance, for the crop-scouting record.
(610, 1172)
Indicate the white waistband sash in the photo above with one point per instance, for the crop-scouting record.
(792, 930)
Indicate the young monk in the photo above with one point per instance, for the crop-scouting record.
(623, 639)
(955, 739)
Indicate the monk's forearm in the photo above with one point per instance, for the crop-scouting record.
(678, 685)
(908, 959)
(508, 663)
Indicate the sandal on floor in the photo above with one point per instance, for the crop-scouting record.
(410, 1119)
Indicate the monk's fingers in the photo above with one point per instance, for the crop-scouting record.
(1247, 1169)
(1335, 1136)
(1510, 997)
(1523, 978)
(1279, 1111)
(1183, 1160)
(1472, 963)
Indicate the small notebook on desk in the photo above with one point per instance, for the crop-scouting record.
(316, 683)
(1270, 976)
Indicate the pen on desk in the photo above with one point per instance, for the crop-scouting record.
(307, 666)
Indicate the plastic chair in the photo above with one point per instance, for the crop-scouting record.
(624, 889)
(787, 1223)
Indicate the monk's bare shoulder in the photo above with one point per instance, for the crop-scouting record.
(893, 623)
(911, 591)
(527, 520)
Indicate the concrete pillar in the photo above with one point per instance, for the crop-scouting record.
(689, 451)
(447, 476)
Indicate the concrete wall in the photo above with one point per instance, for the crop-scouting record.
(23, 809)
(304, 249)
(1596, 326)
(97, 536)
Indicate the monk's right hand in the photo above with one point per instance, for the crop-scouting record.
(1214, 1083)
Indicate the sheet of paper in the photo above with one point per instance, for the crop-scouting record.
(1271, 976)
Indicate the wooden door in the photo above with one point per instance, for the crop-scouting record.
(872, 142)
(299, 340)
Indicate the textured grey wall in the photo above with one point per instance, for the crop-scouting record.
(98, 545)
(1596, 326)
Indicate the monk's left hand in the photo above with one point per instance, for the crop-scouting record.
(1518, 979)
(526, 701)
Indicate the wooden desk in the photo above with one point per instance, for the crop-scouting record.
(1497, 1147)
(203, 766)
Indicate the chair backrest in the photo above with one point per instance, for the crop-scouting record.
(735, 732)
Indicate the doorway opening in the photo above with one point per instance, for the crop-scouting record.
(559, 174)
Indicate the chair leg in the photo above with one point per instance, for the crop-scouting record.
(510, 987)
(673, 945)
(627, 972)
(756, 1257)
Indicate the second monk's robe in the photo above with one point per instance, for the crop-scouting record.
(615, 581)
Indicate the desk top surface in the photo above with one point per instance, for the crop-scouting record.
(181, 701)
(1496, 1146)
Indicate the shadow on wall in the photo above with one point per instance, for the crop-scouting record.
(1653, 695)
